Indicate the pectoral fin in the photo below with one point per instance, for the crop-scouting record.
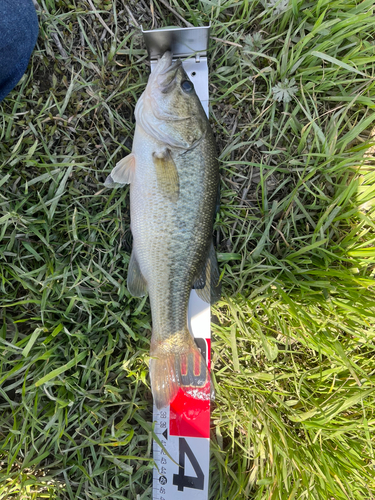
(167, 175)
(207, 285)
(123, 173)
(137, 285)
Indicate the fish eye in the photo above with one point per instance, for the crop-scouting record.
(187, 86)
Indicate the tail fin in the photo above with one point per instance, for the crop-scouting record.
(177, 365)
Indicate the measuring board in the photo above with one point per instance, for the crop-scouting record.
(183, 428)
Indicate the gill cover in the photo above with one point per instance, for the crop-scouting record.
(169, 109)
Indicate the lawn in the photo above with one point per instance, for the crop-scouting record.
(292, 89)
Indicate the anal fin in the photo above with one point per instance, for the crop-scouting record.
(207, 285)
(136, 283)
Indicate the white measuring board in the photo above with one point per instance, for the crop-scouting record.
(183, 428)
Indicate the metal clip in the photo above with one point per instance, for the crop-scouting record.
(184, 43)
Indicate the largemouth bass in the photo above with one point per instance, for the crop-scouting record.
(173, 175)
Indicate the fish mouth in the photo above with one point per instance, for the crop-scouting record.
(163, 80)
(174, 65)
(167, 74)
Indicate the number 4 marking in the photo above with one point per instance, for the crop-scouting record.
(182, 481)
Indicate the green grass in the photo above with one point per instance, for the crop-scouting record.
(293, 336)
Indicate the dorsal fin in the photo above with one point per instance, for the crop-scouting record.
(207, 285)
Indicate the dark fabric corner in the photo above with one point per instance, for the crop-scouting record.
(18, 34)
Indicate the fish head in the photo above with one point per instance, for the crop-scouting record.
(171, 109)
